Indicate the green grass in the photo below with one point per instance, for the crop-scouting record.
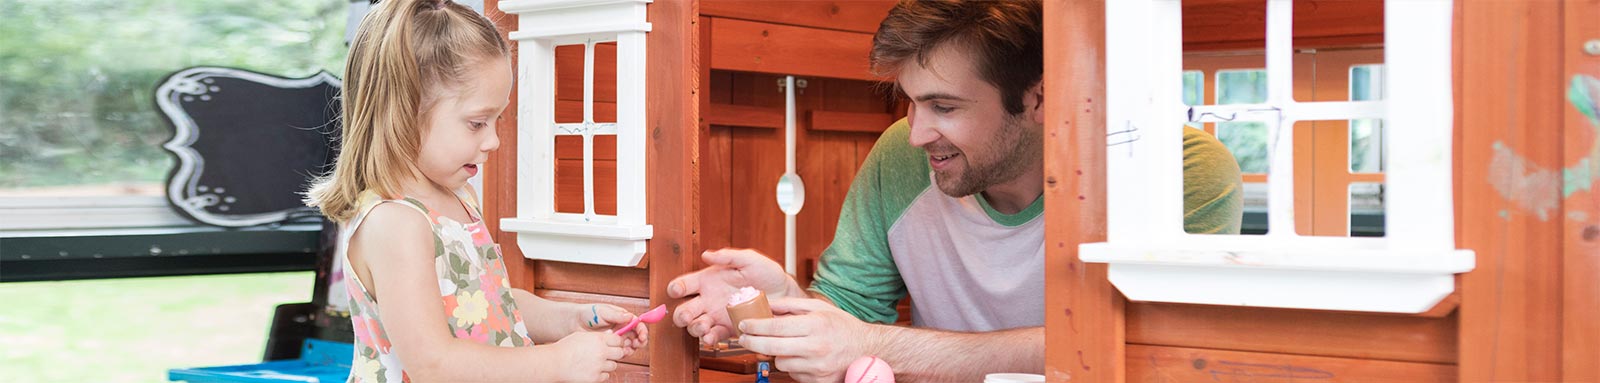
(133, 330)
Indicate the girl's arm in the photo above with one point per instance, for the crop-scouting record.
(392, 252)
(547, 320)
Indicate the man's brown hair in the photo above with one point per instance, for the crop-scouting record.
(1004, 38)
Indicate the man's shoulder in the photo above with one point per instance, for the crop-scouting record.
(894, 172)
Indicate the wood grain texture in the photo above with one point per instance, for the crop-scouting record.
(1580, 305)
(780, 49)
(853, 15)
(1241, 24)
(869, 122)
(1303, 332)
(672, 120)
(1084, 324)
(1179, 364)
(1511, 94)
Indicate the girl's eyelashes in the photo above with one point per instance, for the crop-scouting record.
(476, 124)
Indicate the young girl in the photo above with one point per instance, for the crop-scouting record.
(424, 83)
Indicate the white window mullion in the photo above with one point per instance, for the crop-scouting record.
(1280, 130)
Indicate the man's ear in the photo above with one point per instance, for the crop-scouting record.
(1035, 93)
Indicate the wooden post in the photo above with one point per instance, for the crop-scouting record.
(1581, 209)
(1508, 119)
(672, 112)
(1084, 328)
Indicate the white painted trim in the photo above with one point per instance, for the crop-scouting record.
(1152, 259)
(187, 177)
(588, 237)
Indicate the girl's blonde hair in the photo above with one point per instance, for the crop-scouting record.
(404, 53)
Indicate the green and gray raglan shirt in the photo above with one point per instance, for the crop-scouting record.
(967, 266)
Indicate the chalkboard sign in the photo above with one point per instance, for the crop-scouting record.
(247, 144)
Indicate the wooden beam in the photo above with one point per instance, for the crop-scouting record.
(1304, 332)
(673, 147)
(852, 16)
(1510, 99)
(850, 121)
(744, 116)
(1179, 364)
(1083, 312)
(787, 50)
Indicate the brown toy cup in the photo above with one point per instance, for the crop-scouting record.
(755, 308)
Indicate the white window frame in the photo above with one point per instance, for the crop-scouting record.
(543, 233)
(1151, 258)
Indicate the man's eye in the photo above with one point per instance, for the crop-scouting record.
(942, 109)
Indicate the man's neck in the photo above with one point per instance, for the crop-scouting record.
(1014, 195)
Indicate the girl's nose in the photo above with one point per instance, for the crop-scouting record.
(492, 143)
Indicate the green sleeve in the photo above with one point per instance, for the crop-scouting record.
(857, 271)
(1213, 190)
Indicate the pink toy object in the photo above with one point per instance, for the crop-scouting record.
(748, 303)
(869, 369)
(652, 316)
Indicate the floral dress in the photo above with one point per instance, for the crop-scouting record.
(472, 284)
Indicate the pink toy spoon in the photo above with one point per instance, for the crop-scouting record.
(652, 316)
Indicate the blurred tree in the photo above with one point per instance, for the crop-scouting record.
(77, 78)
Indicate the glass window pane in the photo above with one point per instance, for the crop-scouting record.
(1366, 136)
(1194, 92)
(78, 78)
(1247, 140)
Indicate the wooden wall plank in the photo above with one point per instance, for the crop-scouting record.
(716, 151)
(1084, 331)
(1305, 332)
(745, 116)
(1581, 232)
(757, 160)
(1241, 24)
(569, 72)
(569, 174)
(827, 120)
(770, 48)
(584, 278)
(672, 120)
(1178, 364)
(571, 111)
(854, 16)
(1510, 95)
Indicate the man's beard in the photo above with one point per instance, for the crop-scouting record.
(1015, 149)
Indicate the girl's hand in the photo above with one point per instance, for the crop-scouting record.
(588, 356)
(604, 317)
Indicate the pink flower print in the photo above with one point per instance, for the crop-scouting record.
(480, 235)
(475, 333)
(490, 284)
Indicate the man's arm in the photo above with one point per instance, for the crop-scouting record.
(925, 355)
(815, 341)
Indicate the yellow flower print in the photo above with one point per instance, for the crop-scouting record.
(471, 308)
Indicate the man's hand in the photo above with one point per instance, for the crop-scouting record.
(812, 340)
(706, 315)
(601, 317)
